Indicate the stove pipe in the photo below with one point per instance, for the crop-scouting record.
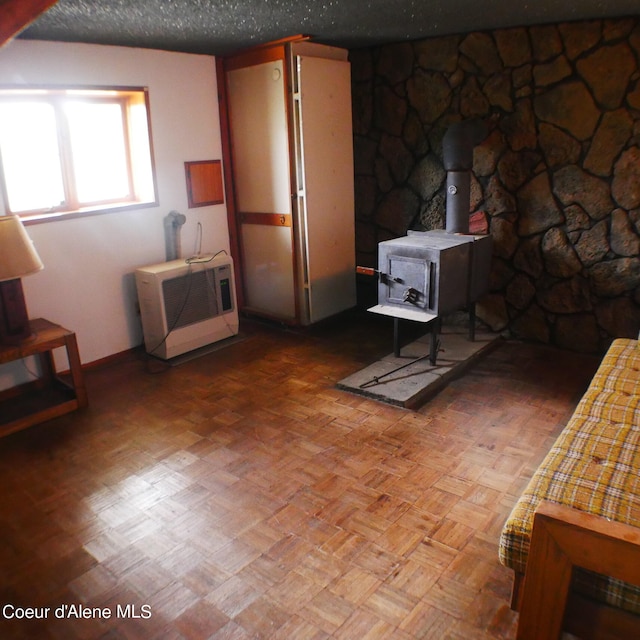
(172, 226)
(457, 151)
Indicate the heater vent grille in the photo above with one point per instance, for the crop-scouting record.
(190, 298)
(185, 305)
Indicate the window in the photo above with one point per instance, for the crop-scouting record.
(72, 151)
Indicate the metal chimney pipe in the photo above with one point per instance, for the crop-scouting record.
(458, 198)
(457, 152)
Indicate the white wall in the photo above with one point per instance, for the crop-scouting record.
(87, 284)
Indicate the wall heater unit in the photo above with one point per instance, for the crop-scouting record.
(185, 305)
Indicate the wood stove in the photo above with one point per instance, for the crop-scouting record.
(426, 274)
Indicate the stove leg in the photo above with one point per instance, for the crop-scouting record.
(396, 337)
(472, 322)
(433, 343)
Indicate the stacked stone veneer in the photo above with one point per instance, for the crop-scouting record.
(558, 176)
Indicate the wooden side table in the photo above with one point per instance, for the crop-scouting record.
(49, 396)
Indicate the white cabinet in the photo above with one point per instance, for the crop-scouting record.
(291, 148)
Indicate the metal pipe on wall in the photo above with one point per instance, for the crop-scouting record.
(172, 227)
(457, 151)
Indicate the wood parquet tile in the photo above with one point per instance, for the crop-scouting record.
(242, 496)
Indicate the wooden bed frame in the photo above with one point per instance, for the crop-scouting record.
(564, 538)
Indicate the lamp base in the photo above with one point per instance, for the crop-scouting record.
(14, 320)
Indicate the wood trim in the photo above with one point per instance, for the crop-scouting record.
(564, 538)
(289, 83)
(299, 37)
(16, 15)
(118, 358)
(269, 219)
(254, 57)
(288, 105)
(229, 186)
(267, 52)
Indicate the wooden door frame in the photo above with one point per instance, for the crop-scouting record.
(277, 50)
(229, 186)
(16, 15)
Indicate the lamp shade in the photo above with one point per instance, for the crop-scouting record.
(18, 256)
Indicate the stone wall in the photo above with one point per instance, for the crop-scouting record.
(558, 176)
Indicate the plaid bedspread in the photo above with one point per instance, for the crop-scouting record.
(593, 466)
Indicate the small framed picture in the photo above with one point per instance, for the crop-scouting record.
(204, 183)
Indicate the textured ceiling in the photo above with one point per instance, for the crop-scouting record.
(219, 27)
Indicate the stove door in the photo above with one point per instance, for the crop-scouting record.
(409, 281)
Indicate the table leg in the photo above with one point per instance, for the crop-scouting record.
(75, 368)
(47, 365)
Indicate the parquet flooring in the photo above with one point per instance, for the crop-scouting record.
(240, 495)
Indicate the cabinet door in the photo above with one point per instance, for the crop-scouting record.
(327, 197)
(257, 97)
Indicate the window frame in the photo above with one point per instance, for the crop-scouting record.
(127, 96)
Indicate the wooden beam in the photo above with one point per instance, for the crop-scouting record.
(15, 15)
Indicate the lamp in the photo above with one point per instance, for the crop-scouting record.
(18, 258)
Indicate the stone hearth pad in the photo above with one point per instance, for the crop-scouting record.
(410, 379)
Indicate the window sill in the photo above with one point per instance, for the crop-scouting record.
(36, 218)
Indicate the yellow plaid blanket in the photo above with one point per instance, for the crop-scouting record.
(594, 466)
